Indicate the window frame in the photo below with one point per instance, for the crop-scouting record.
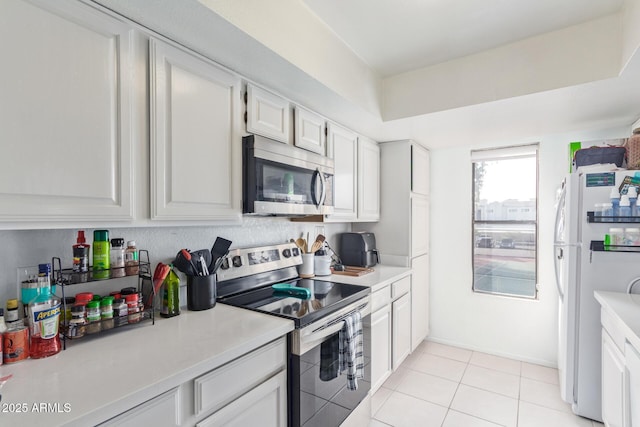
(505, 153)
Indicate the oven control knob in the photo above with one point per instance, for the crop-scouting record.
(286, 253)
(237, 261)
(295, 251)
(225, 264)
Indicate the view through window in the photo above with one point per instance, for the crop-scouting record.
(505, 184)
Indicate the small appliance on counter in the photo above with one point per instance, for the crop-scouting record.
(358, 249)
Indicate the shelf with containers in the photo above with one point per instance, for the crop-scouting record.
(601, 246)
(598, 219)
(72, 284)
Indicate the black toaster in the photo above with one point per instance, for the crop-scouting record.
(358, 249)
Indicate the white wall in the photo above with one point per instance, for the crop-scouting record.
(512, 327)
(31, 247)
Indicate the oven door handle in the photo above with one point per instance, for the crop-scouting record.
(323, 333)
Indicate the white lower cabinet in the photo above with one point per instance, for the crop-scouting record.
(390, 329)
(401, 346)
(265, 405)
(419, 300)
(632, 359)
(161, 410)
(381, 366)
(613, 383)
(248, 391)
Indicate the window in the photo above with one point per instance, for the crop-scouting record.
(505, 222)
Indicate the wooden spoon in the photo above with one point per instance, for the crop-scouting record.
(301, 243)
(317, 245)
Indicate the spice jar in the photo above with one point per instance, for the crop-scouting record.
(93, 317)
(120, 312)
(84, 297)
(106, 313)
(12, 318)
(117, 257)
(77, 325)
(133, 308)
(131, 260)
(68, 302)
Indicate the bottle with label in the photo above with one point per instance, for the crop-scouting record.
(117, 257)
(131, 260)
(101, 258)
(44, 314)
(625, 208)
(170, 295)
(632, 192)
(615, 202)
(12, 317)
(81, 255)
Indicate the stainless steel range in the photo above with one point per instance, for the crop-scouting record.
(247, 278)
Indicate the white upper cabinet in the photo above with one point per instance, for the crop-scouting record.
(309, 130)
(368, 180)
(267, 114)
(342, 146)
(195, 141)
(419, 170)
(65, 115)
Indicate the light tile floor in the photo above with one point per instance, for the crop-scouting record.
(445, 386)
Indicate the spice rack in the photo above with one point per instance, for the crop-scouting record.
(67, 279)
(599, 246)
(592, 218)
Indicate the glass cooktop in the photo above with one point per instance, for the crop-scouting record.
(325, 298)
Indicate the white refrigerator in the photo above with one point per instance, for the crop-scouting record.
(579, 272)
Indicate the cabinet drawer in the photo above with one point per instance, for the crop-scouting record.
(161, 410)
(220, 386)
(401, 287)
(380, 298)
(610, 325)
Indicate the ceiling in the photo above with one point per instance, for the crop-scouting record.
(345, 58)
(395, 36)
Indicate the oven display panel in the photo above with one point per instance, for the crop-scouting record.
(262, 257)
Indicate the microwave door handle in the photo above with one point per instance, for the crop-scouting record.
(314, 183)
(323, 181)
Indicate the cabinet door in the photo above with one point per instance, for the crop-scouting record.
(195, 146)
(632, 356)
(419, 300)
(265, 405)
(380, 347)
(66, 113)
(368, 180)
(267, 114)
(309, 131)
(343, 148)
(613, 383)
(419, 170)
(419, 225)
(163, 410)
(401, 309)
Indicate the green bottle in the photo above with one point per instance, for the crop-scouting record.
(101, 254)
(171, 295)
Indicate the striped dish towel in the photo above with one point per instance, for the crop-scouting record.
(351, 359)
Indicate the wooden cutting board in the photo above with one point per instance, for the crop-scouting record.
(353, 271)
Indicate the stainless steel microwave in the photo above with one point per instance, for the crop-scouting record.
(279, 179)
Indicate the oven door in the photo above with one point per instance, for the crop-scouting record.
(284, 180)
(316, 396)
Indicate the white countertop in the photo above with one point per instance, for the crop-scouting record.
(626, 309)
(382, 276)
(104, 376)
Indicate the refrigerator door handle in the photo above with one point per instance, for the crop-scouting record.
(558, 258)
(559, 208)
